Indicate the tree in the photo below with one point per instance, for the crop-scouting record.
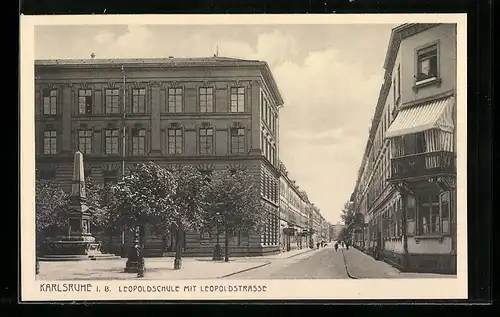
(99, 197)
(51, 203)
(349, 218)
(233, 203)
(104, 218)
(144, 197)
(187, 204)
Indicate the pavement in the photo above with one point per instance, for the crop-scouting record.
(157, 268)
(360, 265)
(324, 263)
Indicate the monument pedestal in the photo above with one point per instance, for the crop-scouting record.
(74, 248)
(79, 244)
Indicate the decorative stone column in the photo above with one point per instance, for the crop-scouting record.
(78, 244)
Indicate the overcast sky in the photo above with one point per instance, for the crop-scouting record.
(329, 76)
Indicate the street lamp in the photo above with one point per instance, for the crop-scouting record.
(135, 261)
(178, 248)
(217, 254)
(37, 263)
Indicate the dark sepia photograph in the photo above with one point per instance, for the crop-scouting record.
(244, 154)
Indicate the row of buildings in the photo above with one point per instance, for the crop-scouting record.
(301, 221)
(406, 185)
(207, 112)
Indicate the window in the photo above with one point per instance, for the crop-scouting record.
(206, 140)
(413, 143)
(399, 82)
(175, 100)
(139, 100)
(138, 141)
(47, 174)
(266, 112)
(428, 215)
(49, 142)
(237, 140)
(394, 89)
(175, 144)
(262, 100)
(427, 59)
(111, 141)
(110, 177)
(49, 101)
(85, 101)
(237, 99)
(112, 101)
(410, 214)
(206, 100)
(206, 175)
(445, 212)
(85, 141)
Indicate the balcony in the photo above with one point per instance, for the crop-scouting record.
(423, 165)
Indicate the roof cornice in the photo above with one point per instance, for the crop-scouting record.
(164, 63)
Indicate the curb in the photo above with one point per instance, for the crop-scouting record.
(297, 254)
(245, 270)
(347, 267)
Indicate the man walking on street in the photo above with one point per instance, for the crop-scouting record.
(336, 246)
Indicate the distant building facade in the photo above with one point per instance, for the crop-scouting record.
(405, 191)
(211, 113)
(294, 213)
(336, 229)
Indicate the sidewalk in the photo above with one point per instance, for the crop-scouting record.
(284, 255)
(156, 269)
(360, 265)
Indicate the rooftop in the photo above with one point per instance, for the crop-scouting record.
(145, 61)
(168, 61)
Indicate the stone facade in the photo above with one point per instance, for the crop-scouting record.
(207, 112)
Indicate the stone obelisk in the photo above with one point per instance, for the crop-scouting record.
(78, 244)
(78, 211)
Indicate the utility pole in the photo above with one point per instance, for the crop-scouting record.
(124, 125)
(122, 238)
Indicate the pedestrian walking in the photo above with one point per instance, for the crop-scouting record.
(336, 246)
(347, 245)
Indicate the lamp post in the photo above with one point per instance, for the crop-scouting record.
(217, 254)
(135, 261)
(37, 263)
(178, 247)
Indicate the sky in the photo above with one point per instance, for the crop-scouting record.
(329, 76)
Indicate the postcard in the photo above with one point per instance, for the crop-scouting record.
(243, 157)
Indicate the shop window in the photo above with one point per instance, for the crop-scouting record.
(410, 215)
(429, 219)
(445, 212)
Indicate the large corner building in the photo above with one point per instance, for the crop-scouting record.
(207, 112)
(406, 186)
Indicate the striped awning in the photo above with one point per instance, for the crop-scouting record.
(435, 114)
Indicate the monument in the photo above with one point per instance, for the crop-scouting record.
(78, 244)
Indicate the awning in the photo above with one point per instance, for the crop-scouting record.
(435, 114)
